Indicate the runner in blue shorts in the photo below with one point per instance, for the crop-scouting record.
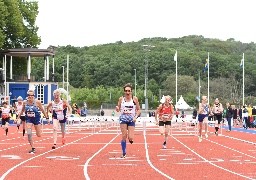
(129, 107)
(203, 117)
(31, 107)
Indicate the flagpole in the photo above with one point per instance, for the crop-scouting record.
(176, 59)
(199, 88)
(243, 78)
(208, 77)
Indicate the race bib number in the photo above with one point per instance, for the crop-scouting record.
(31, 114)
(60, 116)
(165, 115)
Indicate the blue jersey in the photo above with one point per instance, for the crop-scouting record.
(32, 113)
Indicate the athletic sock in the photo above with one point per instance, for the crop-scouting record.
(23, 132)
(6, 131)
(123, 144)
(216, 129)
(18, 126)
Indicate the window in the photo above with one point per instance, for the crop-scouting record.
(40, 93)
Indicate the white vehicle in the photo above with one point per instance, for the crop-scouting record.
(74, 118)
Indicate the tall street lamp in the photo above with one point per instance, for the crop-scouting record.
(146, 48)
(135, 81)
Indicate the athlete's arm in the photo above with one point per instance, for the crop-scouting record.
(22, 110)
(172, 112)
(118, 107)
(39, 104)
(68, 106)
(137, 111)
(221, 108)
(157, 113)
(48, 107)
(200, 108)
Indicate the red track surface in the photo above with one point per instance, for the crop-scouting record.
(97, 156)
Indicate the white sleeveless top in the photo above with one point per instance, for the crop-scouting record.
(205, 108)
(5, 113)
(19, 108)
(128, 107)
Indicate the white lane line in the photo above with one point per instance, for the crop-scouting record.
(26, 143)
(232, 172)
(231, 149)
(148, 159)
(88, 161)
(23, 162)
(242, 140)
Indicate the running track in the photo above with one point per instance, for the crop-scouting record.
(96, 155)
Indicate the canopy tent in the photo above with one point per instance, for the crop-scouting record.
(65, 92)
(181, 104)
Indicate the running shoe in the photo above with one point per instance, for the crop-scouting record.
(206, 135)
(123, 156)
(164, 145)
(200, 138)
(54, 146)
(32, 151)
(63, 141)
(131, 141)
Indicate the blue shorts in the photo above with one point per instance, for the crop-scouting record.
(126, 119)
(201, 117)
(34, 121)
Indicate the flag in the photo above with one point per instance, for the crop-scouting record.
(206, 66)
(242, 63)
(176, 56)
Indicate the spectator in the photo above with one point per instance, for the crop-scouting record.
(102, 112)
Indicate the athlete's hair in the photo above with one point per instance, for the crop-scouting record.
(30, 90)
(20, 98)
(56, 91)
(128, 85)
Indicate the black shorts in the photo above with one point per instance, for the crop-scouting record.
(22, 118)
(218, 117)
(161, 123)
(4, 121)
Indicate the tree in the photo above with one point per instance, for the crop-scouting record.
(17, 24)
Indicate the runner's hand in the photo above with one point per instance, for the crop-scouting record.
(117, 109)
(47, 118)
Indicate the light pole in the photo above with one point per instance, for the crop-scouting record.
(146, 48)
(135, 81)
(63, 77)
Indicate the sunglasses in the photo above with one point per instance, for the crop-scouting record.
(127, 90)
(30, 95)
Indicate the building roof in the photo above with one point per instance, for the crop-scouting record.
(25, 52)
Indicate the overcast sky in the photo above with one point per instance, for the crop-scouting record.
(92, 22)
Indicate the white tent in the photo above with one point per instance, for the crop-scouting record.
(62, 90)
(181, 104)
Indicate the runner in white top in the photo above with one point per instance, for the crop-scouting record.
(129, 107)
(59, 115)
(203, 113)
(18, 108)
(5, 117)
